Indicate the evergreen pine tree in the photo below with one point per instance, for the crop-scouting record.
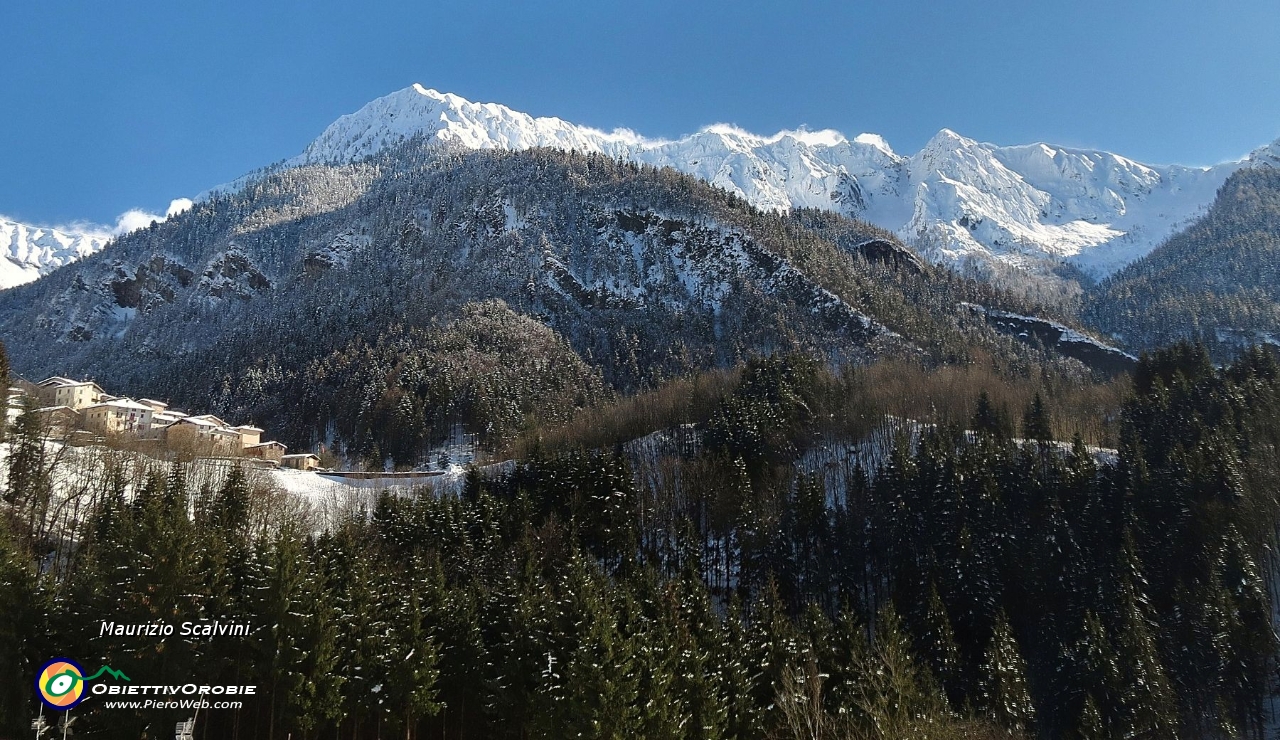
(740, 674)
(1093, 664)
(1004, 693)
(937, 644)
(20, 624)
(29, 484)
(1036, 423)
(897, 695)
(597, 693)
(4, 391)
(849, 655)
(230, 507)
(703, 663)
(775, 648)
(987, 419)
(355, 584)
(411, 658)
(298, 642)
(1090, 725)
(1145, 697)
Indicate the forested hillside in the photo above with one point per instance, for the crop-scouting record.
(1218, 281)
(963, 583)
(364, 305)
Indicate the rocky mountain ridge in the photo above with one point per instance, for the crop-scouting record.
(1024, 212)
(27, 252)
(958, 201)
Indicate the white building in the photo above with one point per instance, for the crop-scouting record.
(71, 393)
(118, 416)
(249, 435)
(158, 406)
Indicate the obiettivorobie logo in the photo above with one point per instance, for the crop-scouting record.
(61, 682)
(61, 685)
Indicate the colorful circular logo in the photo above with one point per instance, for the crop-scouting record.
(60, 683)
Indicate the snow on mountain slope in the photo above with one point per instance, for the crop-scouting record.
(791, 168)
(27, 252)
(1265, 156)
(1023, 204)
(957, 199)
(417, 110)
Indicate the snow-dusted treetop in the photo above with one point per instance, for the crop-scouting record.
(955, 199)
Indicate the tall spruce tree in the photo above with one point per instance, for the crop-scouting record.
(936, 643)
(298, 639)
(4, 391)
(30, 487)
(987, 419)
(411, 657)
(1036, 423)
(1004, 694)
(20, 627)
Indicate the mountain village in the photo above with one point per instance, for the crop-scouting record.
(80, 412)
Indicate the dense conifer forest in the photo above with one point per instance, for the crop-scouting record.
(1030, 559)
(1217, 282)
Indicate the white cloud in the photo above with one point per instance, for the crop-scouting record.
(136, 218)
(178, 205)
(131, 220)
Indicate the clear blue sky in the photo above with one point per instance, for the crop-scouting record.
(114, 105)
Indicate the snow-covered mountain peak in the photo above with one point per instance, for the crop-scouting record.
(946, 146)
(1265, 156)
(874, 140)
(947, 143)
(948, 139)
(428, 92)
(823, 138)
(27, 252)
(956, 198)
(450, 119)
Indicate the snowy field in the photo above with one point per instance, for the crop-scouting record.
(80, 474)
(317, 486)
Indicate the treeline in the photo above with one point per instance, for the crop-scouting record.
(970, 578)
(391, 397)
(850, 402)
